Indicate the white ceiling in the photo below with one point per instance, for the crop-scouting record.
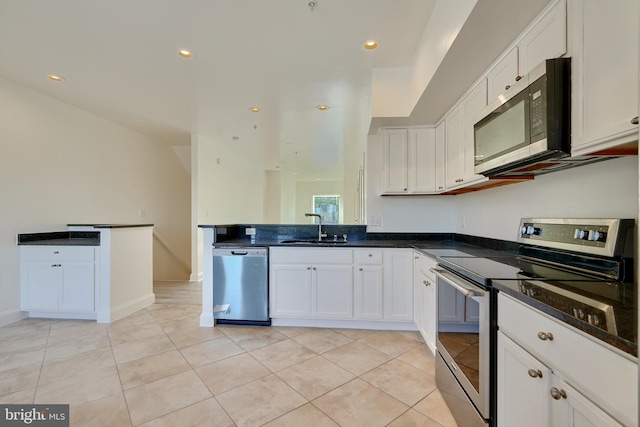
(119, 61)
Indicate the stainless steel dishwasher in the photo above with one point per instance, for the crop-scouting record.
(240, 286)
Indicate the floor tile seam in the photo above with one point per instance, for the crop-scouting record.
(195, 370)
(265, 366)
(169, 413)
(422, 413)
(393, 397)
(136, 339)
(124, 397)
(326, 392)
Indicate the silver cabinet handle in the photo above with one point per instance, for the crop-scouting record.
(56, 252)
(360, 269)
(56, 265)
(535, 373)
(518, 78)
(426, 283)
(440, 188)
(314, 268)
(558, 394)
(544, 336)
(370, 255)
(507, 87)
(634, 121)
(308, 268)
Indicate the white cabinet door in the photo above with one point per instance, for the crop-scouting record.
(78, 287)
(398, 284)
(368, 292)
(523, 387)
(604, 74)
(454, 149)
(422, 160)
(471, 105)
(429, 312)
(42, 282)
(502, 75)
(57, 279)
(546, 39)
(417, 291)
(395, 157)
(290, 291)
(441, 158)
(332, 291)
(569, 408)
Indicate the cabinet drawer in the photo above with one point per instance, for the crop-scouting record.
(311, 255)
(57, 253)
(368, 256)
(606, 377)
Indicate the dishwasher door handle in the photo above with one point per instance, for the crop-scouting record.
(239, 253)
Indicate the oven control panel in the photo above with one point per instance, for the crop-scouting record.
(606, 237)
(580, 234)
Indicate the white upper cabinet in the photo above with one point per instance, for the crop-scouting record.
(441, 142)
(545, 38)
(603, 45)
(409, 161)
(459, 138)
(395, 156)
(422, 160)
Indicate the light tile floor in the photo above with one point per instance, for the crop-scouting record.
(157, 367)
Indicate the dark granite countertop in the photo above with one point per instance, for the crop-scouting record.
(60, 238)
(627, 330)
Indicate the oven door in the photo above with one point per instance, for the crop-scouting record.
(464, 340)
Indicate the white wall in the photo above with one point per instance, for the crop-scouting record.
(230, 183)
(60, 165)
(605, 189)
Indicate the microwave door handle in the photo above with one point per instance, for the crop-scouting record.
(461, 286)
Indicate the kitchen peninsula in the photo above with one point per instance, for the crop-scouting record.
(91, 271)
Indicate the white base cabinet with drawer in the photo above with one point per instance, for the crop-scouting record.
(341, 287)
(550, 373)
(368, 284)
(58, 281)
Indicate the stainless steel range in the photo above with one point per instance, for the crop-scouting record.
(578, 270)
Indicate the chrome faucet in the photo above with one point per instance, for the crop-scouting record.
(320, 235)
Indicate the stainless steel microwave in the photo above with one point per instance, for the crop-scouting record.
(528, 125)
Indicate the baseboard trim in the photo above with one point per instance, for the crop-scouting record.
(124, 310)
(344, 324)
(10, 316)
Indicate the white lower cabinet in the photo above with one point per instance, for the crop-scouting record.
(332, 287)
(398, 285)
(424, 295)
(550, 374)
(523, 387)
(57, 279)
(368, 282)
(364, 284)
(311, 283)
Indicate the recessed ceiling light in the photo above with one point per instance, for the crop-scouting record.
(370, 44)
(322, 107)
(185, 53)
(55, 78)
(254, 109)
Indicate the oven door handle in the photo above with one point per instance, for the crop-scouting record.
(468, 291)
